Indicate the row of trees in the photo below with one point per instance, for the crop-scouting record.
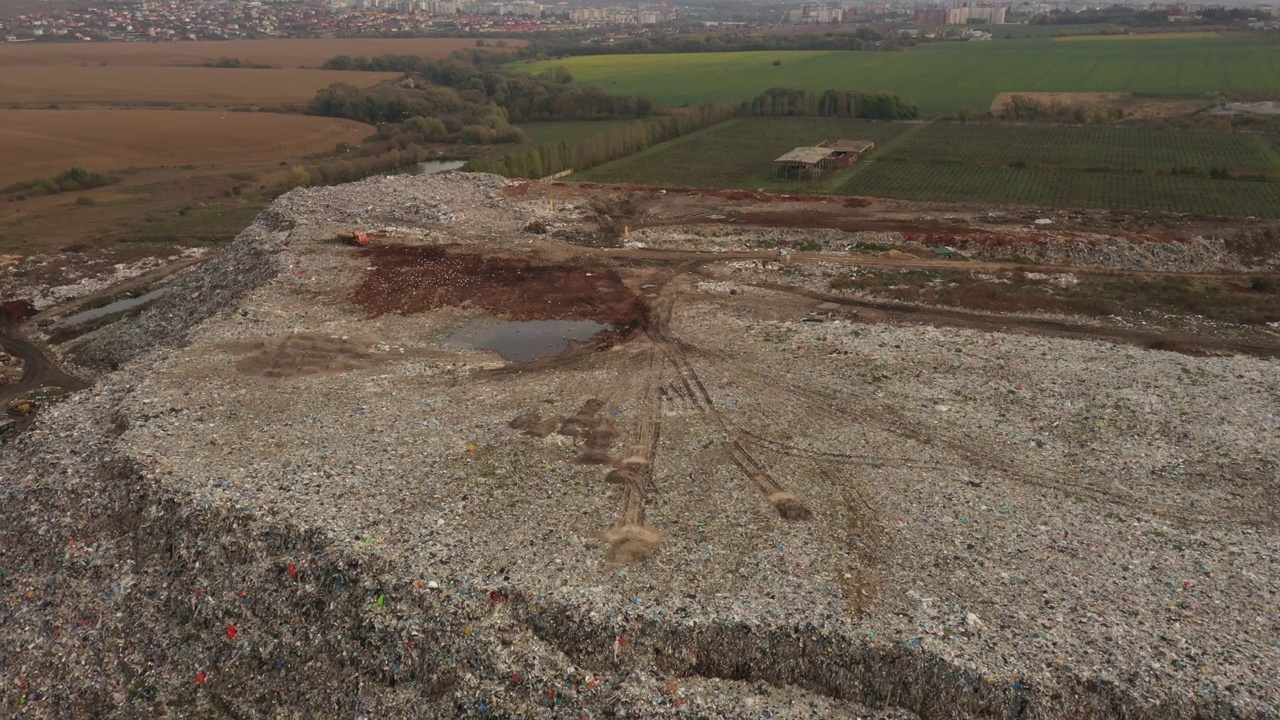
(464, 86)
(1134, 17)
(861, 39)
(349, 169)
(831, 103)
(611, 144)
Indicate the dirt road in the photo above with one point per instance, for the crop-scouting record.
(37, 370)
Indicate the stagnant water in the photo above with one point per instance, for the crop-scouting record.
(81, 318)
(520, 341)
(430, 167)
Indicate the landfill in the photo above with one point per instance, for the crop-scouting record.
(289, 494)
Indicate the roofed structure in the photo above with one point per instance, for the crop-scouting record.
(803, 163)
(811, 162)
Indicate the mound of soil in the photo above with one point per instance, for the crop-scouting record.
(409, 279)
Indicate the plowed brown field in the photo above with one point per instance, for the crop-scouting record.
(40, 143)
(191, 85)
(284, 53)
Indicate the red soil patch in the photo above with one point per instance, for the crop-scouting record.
(15, 311)
(408, 279)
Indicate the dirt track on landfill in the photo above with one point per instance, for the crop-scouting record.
(37, 370)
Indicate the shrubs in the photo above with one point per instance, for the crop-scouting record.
(75, 179)
(1024, 108)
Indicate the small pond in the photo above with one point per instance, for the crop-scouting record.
(520, 341)
(85, 316)
(428, 168)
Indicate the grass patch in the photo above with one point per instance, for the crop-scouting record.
(215, 223)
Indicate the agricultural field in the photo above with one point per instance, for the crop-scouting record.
(737, 153)
(1086, 147)
(1066, 166)
(111, 85)
(1066, 188)
(280, 53)
(42, 143)
(943, 77)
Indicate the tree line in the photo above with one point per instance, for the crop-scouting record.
(861, 39)
(610, 144)
(467, 82)
(785, 102)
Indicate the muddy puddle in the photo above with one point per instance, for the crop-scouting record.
(521, 341)
(431, 167)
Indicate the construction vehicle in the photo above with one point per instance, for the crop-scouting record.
(359, 239)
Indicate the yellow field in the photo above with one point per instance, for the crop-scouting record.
(1139, 36)
(41, 143)
(282, 53)
(194, 85)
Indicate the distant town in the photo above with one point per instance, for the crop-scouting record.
(174, 20)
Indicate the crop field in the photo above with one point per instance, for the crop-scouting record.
(1066, 166)
(1066, 188)
(737, 153)
(42, 86)
(1090, 147)
(282, 53)
(41, 143)
(943, 77)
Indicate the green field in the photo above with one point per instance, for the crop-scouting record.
(1066, 166)
(943, 77)
(736, 154)
(1086, 147)
(1066, 188)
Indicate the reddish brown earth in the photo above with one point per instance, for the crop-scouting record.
(406, 279)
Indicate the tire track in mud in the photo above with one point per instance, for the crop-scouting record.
(975, 455)
(629, 538)
(788, 506)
